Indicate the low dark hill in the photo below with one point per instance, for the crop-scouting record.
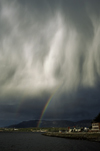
(97, 118)
(53, 123)
(25, 124)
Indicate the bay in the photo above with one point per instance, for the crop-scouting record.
(28, 141)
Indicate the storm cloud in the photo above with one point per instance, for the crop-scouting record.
(45, 45)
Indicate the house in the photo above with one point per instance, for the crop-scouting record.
(75, 130)
(96, 123)
(96, 126)
(62, 131)
(86, 129)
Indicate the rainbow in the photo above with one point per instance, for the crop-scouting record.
(45, 108)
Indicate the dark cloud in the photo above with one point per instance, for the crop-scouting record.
(45, 45)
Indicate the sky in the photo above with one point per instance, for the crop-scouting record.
(49, 48)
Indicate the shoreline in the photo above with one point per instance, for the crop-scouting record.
(93, 136)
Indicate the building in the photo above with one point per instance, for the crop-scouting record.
(96, 123)
(95, 126)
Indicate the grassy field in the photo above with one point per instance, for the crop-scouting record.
(92, 136)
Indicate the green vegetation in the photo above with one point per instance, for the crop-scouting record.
(56, 129)
(33, 129)
(79, 135)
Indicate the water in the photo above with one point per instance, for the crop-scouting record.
(37, 142)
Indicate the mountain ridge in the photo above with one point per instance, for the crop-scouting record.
(52, 123)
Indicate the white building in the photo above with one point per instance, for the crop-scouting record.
(95, 126)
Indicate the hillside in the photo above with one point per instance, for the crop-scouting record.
(53, 123)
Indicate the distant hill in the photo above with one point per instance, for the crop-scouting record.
(25, 124)
(53, 123)
(97, 118)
